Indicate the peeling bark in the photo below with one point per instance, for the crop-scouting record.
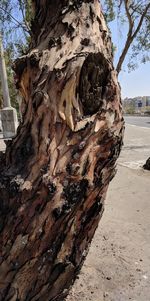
(56, 171)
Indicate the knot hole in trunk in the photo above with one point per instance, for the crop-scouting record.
(93, 81)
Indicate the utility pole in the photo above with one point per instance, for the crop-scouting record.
(3, 74)
(8, 113)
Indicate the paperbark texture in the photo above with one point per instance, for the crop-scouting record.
(56, 171)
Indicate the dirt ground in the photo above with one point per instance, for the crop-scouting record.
(117, 267)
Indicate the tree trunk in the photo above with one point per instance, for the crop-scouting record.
(56, 171)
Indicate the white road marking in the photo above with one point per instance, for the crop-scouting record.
(142, 127)
(133, 164)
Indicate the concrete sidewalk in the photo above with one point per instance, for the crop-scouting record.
(118, 265)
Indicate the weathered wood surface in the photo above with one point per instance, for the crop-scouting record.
(56, 171)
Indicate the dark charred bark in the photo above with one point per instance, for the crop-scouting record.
(147, 164)
(56, 171)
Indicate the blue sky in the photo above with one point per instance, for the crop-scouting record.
(137, 82)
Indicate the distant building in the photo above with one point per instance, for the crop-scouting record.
(147, 99)
(138, 104)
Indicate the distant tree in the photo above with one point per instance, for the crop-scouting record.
(135, 15)
(15, 23)
(129, 107)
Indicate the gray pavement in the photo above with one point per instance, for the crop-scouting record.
(141, 121)
(136, 147)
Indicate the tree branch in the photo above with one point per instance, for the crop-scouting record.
(131, 22)
(23, 16)
(130, 36)
(135, 7)
(14, 19)
(141, 21)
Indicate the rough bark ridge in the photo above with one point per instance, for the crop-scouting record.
(56, 171)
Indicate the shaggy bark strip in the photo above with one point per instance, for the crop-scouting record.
(56, 171)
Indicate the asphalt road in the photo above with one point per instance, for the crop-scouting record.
(141, 121)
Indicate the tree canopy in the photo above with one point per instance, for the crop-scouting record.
(133, 20)
(132, 17)
(15, 22)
